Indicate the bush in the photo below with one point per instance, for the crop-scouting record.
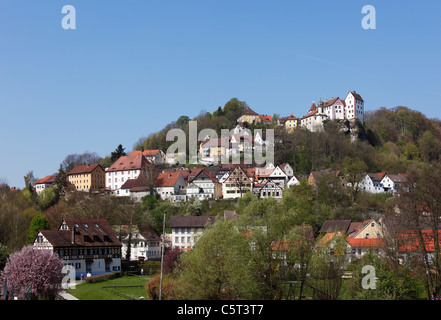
(102, 277)
(168, 288)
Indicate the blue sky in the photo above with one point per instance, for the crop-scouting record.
(131, 67)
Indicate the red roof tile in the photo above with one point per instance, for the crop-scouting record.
(84, 169)
(134, 162)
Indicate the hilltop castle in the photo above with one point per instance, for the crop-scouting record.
(352, 107)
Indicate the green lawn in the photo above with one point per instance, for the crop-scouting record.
(94, 291)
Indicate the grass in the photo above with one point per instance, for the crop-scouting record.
(94, 291)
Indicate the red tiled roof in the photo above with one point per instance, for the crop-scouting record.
(134, 162)
(366, 243)
(84, 169)
(409, 241)
(167, 179)
(145, 153)
(265, 118)
(47, 179)
(250, 112)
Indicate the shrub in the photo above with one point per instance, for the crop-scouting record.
(102, 277)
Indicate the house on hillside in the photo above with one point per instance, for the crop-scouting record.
(90, 246)
(135, 188)
(171, 185)
(203, 186)
(270, 189)
(125, 168)
(186, 230)
(371, 183)
(315, 176)
(249, 116)
(237, 184)
(155, 156)
(88, 178)
(366, 237)
(44, 183)
(395, 183)
(145, 243)
(343, 226)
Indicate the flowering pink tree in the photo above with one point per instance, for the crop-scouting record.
(38, 270)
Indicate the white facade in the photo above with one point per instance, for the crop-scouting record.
(115, 179)
(185, 237)
(354, 106)
(39, 187)
(294, 181)
(371, 184)
(141, 248)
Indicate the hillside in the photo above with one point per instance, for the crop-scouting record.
(390, 140)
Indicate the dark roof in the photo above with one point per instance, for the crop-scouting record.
(336, 225)
(191, 221)
(357, 96)
(83, 232)
(249, 111)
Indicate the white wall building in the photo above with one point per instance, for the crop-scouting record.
(125, 168)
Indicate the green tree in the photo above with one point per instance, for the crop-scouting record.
(48, 197)
(119, 152)
(354, 171)
(388, 284)
(429, 147)
(39, 222)
(217, 268)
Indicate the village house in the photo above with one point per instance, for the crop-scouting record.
(170, 185)
(125, 168)
(145, 243)
(371, 183)
(395, 183)
(367, 237)
(186, 230)
(90, 246)
(155, 156)
(237, 184)
(249, 116)
(270, 190)
(88, 178)
(135, 188)
(203, 186)
(44, 183)
(213, 149)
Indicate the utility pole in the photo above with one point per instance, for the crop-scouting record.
(162, 256)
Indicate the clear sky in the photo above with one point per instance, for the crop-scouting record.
(131, 67)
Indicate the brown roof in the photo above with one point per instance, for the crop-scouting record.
(138, 184)
(84, 232)
(250, 112)
(357, 96)
(167, 179)
(134, 162)
(84, 169)
(216, 142)
(191, 221)
(47, 179)
(336, 225)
